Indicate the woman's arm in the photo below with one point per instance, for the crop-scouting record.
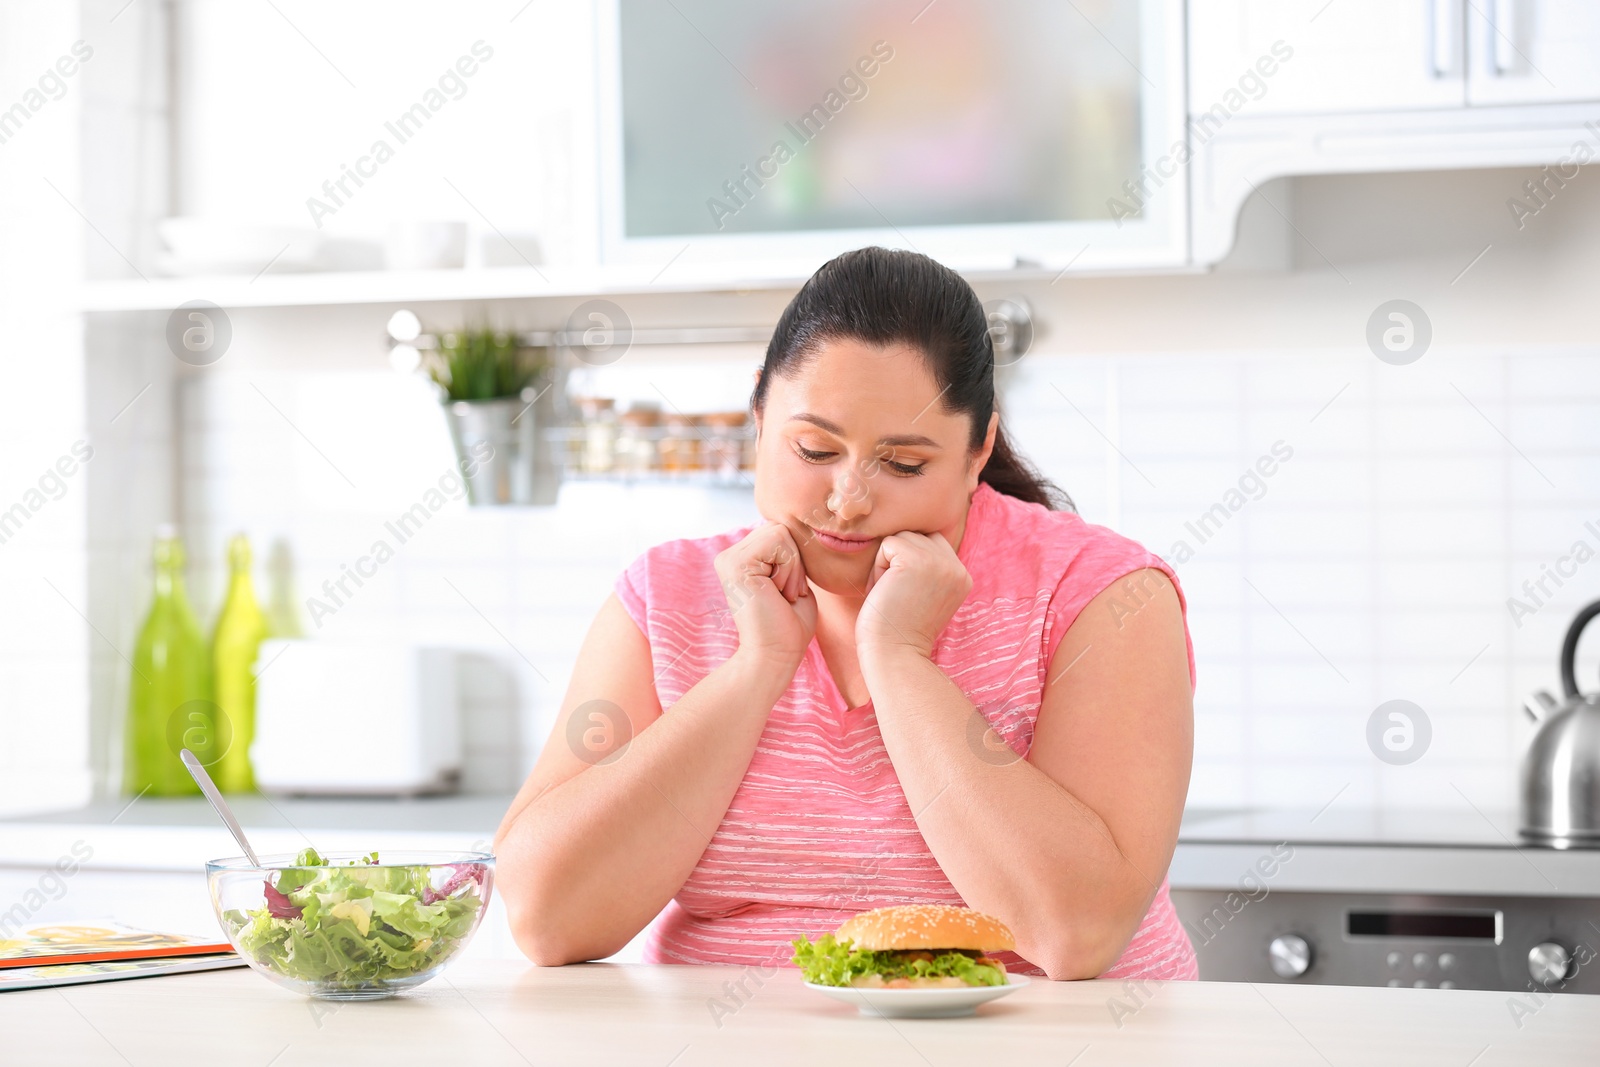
(596, 843)
(1069, 846)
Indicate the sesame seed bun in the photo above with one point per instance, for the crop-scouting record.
(916, 926)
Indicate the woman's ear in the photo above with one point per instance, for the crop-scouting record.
(979, 461)
(755, 412)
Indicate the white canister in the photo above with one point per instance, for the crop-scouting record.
(359, 718)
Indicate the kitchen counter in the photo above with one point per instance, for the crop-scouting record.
(1369, 850)
(1336, 849)
(141, 862)
(181, 833)
(491, 1012)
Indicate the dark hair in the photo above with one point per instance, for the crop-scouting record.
(883, 297)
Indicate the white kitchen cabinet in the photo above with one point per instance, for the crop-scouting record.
(995, 135)
(1344, 55)
(1390, 55)
(1533, 51)
(1365, 86)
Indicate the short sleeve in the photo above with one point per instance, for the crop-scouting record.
(633, 589)
(1105, 560)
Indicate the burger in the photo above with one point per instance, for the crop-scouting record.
(910, 946)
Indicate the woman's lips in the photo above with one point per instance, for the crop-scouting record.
(843, 544)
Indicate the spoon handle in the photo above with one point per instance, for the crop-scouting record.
(209, 788)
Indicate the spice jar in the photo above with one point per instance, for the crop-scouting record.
(636, 438)
(680, 444)
(725, 444)
(599, 433)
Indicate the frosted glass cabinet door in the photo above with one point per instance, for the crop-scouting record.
(1346, 55)
(1026, 129)
(1533, 51)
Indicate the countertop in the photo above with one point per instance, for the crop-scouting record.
(1468, 849)
(1337, 848)
(181, 833)
(491, 1012)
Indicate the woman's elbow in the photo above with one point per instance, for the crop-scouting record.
(540, 951)
(1079, 949)
(546, 945)
(1076, 967)
(545, 938)
(546, 953)
(533, 925)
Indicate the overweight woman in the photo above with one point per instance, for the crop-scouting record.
(915, 681)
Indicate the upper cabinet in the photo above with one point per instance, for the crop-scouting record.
(1395, 55)
(1347, 55)
(1288, 87)
(756, 138)
(1533, 51)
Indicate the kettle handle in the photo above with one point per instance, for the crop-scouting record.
(1569, 649)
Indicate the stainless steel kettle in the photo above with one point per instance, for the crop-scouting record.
(1561, 770)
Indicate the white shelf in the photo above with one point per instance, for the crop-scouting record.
(500, 283)
(409, 287)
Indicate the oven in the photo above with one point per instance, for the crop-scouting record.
(1383, 897)
(1528, 944)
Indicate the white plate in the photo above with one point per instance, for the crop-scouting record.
(920, 1003)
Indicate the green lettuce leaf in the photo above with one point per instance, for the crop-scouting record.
(357, 923)
(829, 961)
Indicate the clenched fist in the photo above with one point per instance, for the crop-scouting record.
(772, 605)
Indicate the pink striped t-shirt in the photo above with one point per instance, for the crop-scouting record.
(819, 828)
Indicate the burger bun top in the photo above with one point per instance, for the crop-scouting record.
(926, 926)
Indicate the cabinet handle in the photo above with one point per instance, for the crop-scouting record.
(1496, 41)
(1443, 37)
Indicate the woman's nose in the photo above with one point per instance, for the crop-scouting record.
(850, 497)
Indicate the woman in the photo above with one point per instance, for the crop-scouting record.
(913, 683)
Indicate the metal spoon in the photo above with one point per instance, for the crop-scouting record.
(209, 788)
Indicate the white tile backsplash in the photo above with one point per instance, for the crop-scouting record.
(45, 645)
(512, 589)
(1418, 499)
(1382, 552)
(1374, 564)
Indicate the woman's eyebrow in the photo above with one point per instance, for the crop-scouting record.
(904, 439)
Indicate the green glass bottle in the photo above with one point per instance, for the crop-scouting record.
(283, 613)
(241, 627)
(169, 703)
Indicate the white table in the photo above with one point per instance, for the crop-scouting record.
(480, 1013)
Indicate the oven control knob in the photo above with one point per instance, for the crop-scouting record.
(1290, 955)
(1548, 963)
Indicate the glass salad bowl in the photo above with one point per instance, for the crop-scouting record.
(347, 926)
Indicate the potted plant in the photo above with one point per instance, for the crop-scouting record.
(498, 397)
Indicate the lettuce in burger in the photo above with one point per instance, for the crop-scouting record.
(908, 946)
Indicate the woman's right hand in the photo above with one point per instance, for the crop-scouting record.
(772, 605)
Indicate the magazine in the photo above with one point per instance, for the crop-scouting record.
(75, 952)
(95, 942)
(60, 974)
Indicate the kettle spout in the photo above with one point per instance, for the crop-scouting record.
(1539, 705)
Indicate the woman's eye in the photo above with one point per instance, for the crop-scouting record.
(908, 469)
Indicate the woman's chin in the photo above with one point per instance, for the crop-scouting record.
(840, 577)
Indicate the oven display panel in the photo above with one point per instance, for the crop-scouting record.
(1464, 925)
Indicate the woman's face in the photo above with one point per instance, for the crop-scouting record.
(856, 444)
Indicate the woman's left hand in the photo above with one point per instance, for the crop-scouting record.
(916, 585)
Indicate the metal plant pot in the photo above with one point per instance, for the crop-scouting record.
(502, 447)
